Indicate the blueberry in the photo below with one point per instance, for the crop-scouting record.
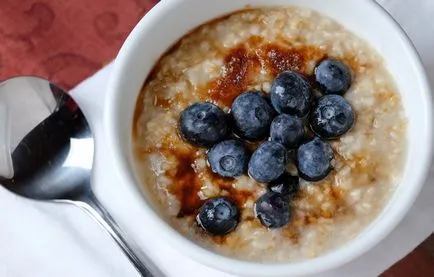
(203, 124)
(268, 162)
(286, 184)
(218, 216)
(314, 160)
(332, 116)
(273, 210)
(288, 130)
(228, 158)
(290, 93)
(252, 114)
(333, 76)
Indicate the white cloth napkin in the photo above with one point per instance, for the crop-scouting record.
(50, 240)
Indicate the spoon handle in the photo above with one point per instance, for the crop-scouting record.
(93, 207)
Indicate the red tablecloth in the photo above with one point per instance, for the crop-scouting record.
(67, 41)
(63, 40)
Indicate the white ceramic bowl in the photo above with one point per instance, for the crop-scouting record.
(171, 19)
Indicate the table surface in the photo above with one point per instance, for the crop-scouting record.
(43, 239)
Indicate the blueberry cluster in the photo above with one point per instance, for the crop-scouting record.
(283, 117)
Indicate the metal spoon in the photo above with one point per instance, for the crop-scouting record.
(47, 150)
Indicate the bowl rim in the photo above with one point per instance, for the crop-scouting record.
(339, 257)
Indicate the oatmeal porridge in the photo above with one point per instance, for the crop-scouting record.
(359, 156)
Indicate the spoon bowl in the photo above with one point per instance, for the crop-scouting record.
(41, 161)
